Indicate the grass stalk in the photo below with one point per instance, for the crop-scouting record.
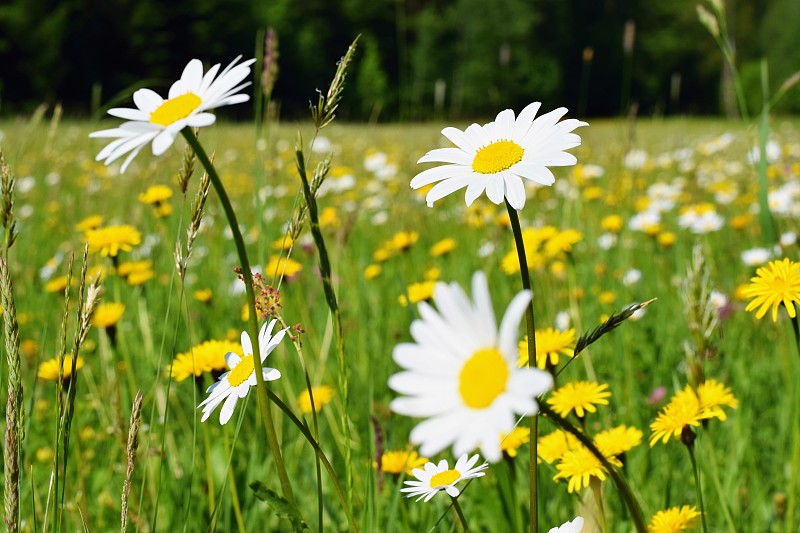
(133, 445)
(690, 448)
(795, 468)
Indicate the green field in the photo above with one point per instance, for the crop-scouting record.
(193, 477)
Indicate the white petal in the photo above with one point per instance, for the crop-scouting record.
(507, 338)
(447, 155)
(496, 189)
(226, 412)
(232, 359)
(476, 187)
(129, 114)
(192, 75)
(201, 120)
(486, 331)
(162, 142)
(460, 139)
(539, 174)
(147, 100)
(525, 119)
(515, 190)
(443, 188)
(271, 374)
(505, 122)
(432, 175)
(247, 346)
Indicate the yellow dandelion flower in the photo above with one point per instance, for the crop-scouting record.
(554, 445)
(399, 461)
(673, 520)
(418, 292)
(89, 223)
(163, 210)
(140, 278)
(57, 284)
(372, 271)
(110, 240)
(579, 396)
(443, 247)
(579, 465)
(382, 254)
(282, 243)
(611, 223)
(156, 194)
(126, 268)
(205, 357)
(432, 274)
(48, 370)
(402, 240)
(562, 242)
(322, 396)
(740, 221)
(616, 441)
(550, 344)
(282, 266)
(511, 442)
(328, 218)
(666, 239)
(203, 295)
(775, 284)
(106, 315)
(606, 297)
(713, 395)
(682, 410)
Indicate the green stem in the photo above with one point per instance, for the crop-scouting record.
(795, 472)
(690, 447)
(460, 513)
(530, 328)
(261, 388)
(622, 486)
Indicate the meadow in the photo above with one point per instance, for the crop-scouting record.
(380, 235)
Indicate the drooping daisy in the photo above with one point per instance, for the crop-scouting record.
(574, 526)
(496, 156)
(189, 100)
(461, 375)
(673, 520)
(237, 382)
(775, 284)
(436, 477)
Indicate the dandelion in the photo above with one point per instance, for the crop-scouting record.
(372, 271)
(579, 396)
(110, 240)
(237, 382)
(107, 315)
(673, 520)
(775, 284)
(57, 284)
(203, 295)
(418, 292)
(712, 396)
(435, 477)
(157, 196)
(497, 156)
(683, 410)
(460, 372)
(574, 526)
(511, 442)
(616, 441)
(208, 356)
(580, 465)
(280, 266)
(322, 396)
(550, 345)
(562, 242)
(400, 461)
(189, 100)
(554, 445)
(48, 370)
(89, 223)
(443, 247)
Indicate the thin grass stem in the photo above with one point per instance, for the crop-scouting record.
(690, 447)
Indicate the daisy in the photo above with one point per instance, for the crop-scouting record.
(435, 477)
(575, 526)
(237, 382)
(461, 374)
(496, 156)
(189, 100)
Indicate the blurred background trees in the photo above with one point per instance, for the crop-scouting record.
(418, 59)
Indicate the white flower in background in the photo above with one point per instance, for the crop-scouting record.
(435, 477)
(717, 299)
(632, 276)
(497, 156)
(591, 172)
(237, 382)
(644, 220)
(707, 222)
(461, 373)
(635, 159)
(575, 526)
(756, 256)
(322, 145)
(189, 100)
(788, 238)
(773, 153)
(606, 241)
(563, 320)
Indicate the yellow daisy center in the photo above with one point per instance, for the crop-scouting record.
(500, 155)
(175, 109)
(483, 378)
(242, 372)
(445, 478)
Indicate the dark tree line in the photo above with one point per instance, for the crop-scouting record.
(417, 58)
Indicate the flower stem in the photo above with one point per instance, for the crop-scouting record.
(530, 328)
(261, 388)
(690, 447)
(795, 472)
(460, 513)
(622, 486)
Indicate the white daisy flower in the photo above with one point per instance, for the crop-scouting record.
(574, 526)
(495, 157)
(435, 477)
(160, 121)
(237, 382)
(461, 372)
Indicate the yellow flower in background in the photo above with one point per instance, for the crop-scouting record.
(667, 239)
(607, 297)
(155, 194)
(418, 292)
(550, 344)
(402, 241)
(554, 445)
(381, 254)
(107, 314)
(673, 520)
(140, 277)
(283, 243)
(57, 284)
(89, 223)
(580, 465)
(110, 240)
(616, 441)
(205, 357)
(579, 396)
(126, 268)
(281, 266)
(322, 396)
(329, 218)
(48, 370)
(511, 442)
(163, 210)
(775, 284)
(712, 396)
(372, 271)
(432, 274)
(203, 295)
(611, 223)
(443, 247)
(682, 410)
(400, 461)
(562, 242)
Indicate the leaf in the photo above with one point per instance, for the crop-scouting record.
(279, 505)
